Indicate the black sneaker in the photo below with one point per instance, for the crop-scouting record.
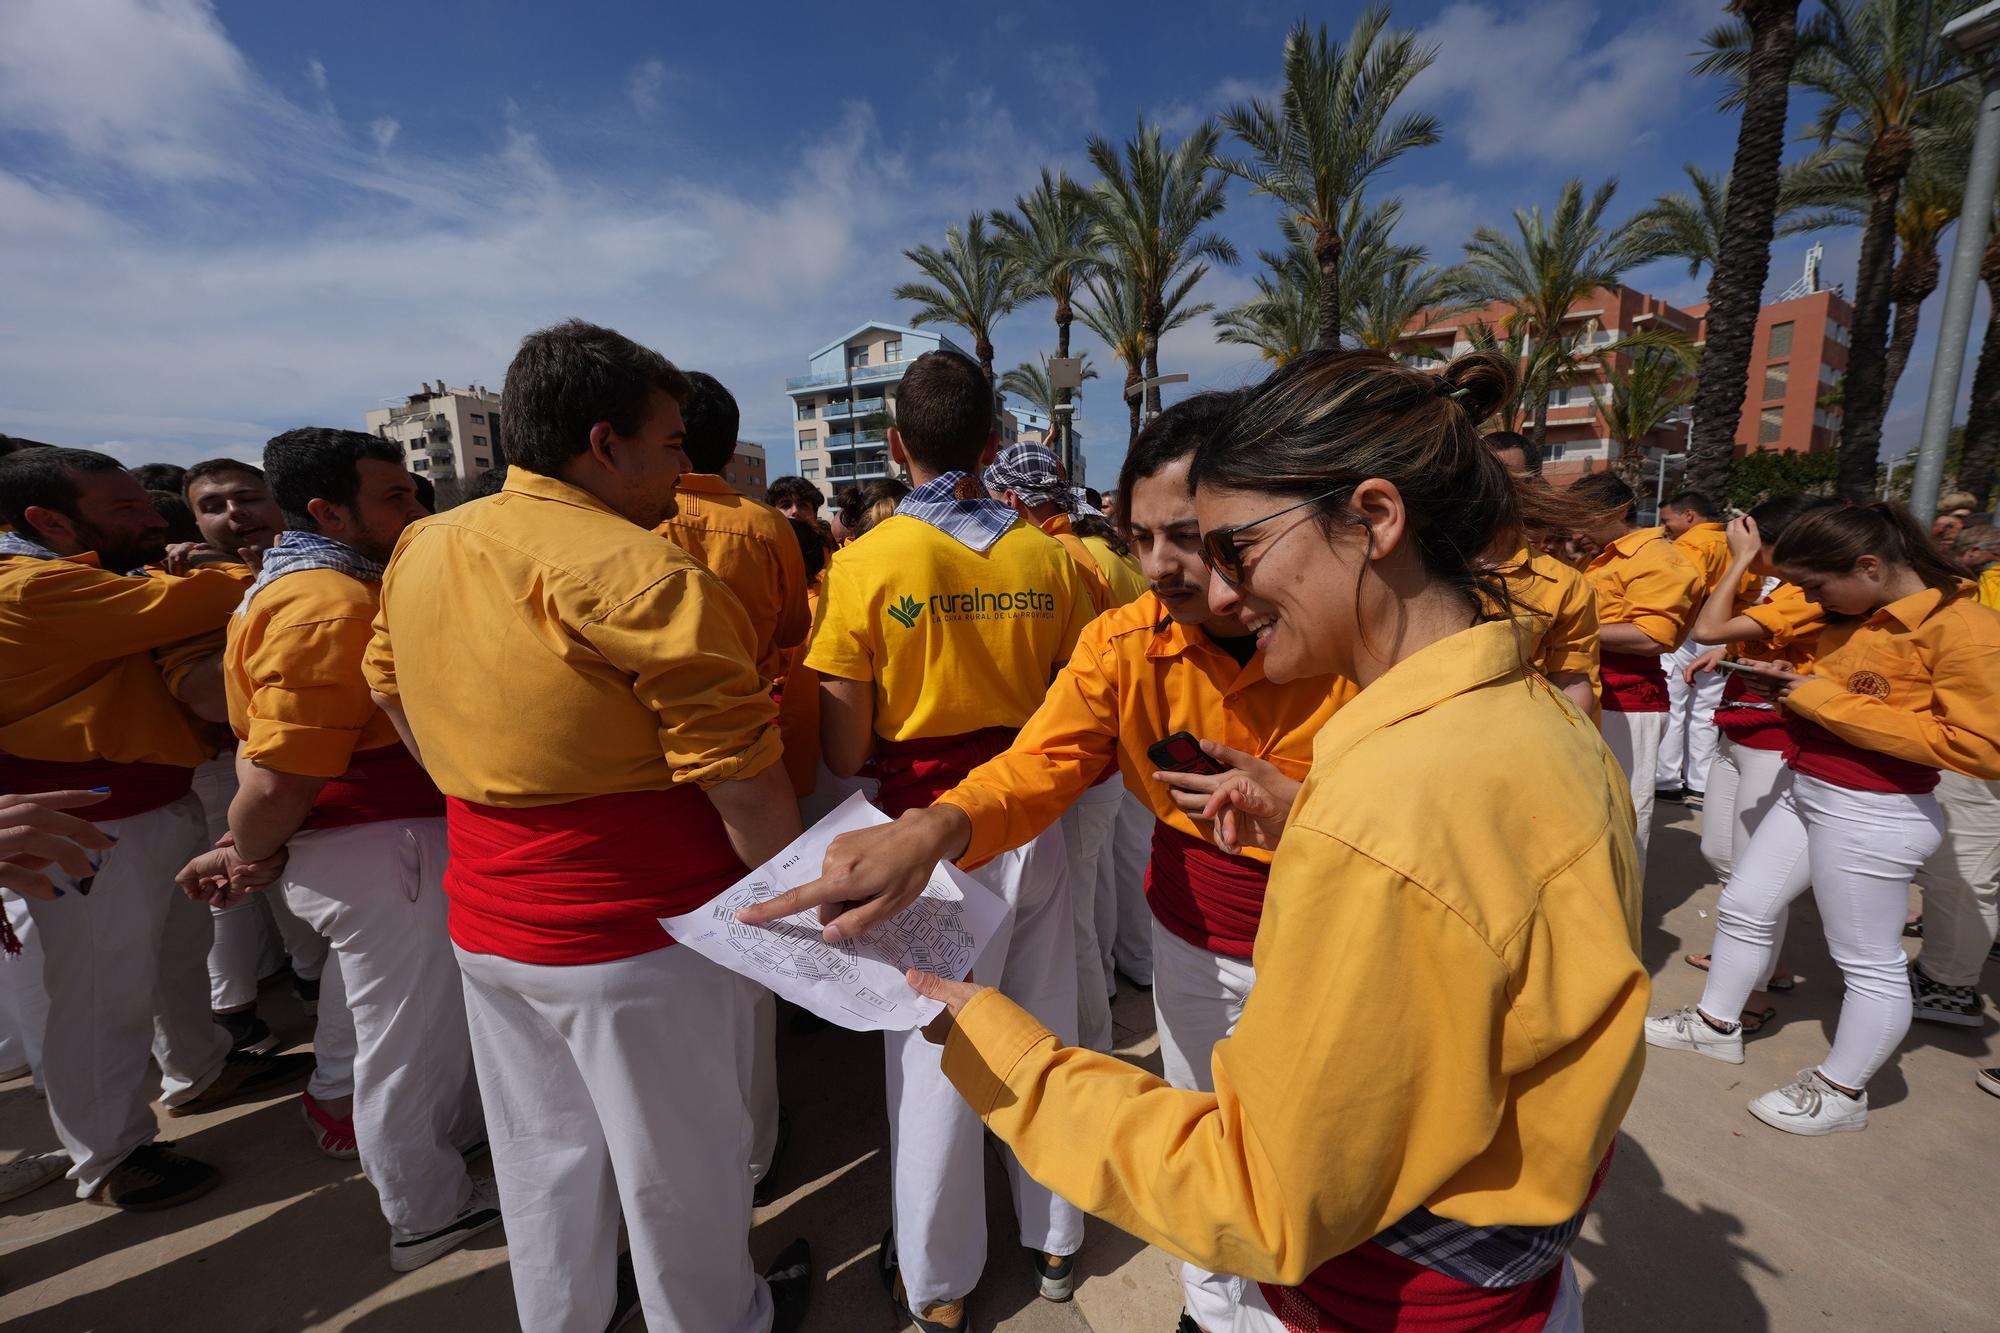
(248, 1034)
(153, 1177)
(1056, 1273)
(1988, 1080)
(790, 1278)
(244, 1077)
(308, 995)
(1935, 1002)
(1692, 799)
(1669, 793)
(765, 1191)
(624, 1306)
(409, 1251)
(1187, 1324)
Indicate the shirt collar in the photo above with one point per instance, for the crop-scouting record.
(1623, 547)
(1056, 526)
(1172, 639)
(1914, 610)
(539, 486)
(1454, 665)
(705, 483)
(1523, 562)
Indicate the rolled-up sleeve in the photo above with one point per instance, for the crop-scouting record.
(308, 704)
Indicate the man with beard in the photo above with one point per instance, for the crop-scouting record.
(333, 806)
(85, 704)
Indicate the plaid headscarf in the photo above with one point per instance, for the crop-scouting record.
(1031, 472)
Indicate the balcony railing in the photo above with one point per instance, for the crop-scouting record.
(862, 375)
(847, 440)
(858, 472)
(865, 406)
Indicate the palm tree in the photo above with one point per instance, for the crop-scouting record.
(1404, 299)
(1981, 451)
(1692, 226)
(1112, 310)
(1030, 382)
(1651, 379)
(1330, 131)
(1148, 210)
(1282, 320)
(974, 284)
(1048, 236)
(1533, 384)
(1546, 267)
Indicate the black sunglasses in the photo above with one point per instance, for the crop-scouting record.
(1220, 552)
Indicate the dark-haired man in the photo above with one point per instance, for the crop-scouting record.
(1694, 521)
(233, 507)
(938, 633)
(585, 695)
(795, 497)
(1517, 451)
(160, 476)
(1647, 593)
(332, 802)
(86, 656)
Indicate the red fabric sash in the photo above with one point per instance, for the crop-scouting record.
(135, 788)
(383, 783)
(585, 881)
(1371, 1290)
(1633, 684)
(1203, 894)
(1749, 721)
(914, 773)
(1818, 753)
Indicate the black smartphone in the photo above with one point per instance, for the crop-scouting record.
(1182, 753)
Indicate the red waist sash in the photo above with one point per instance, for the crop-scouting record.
(914, 773)
(1818, 753)
(1633, 683)
(383, 783)
(1203, 894)
(585, 881)
(135, 788)
(1749, 721)
(1372, 1290)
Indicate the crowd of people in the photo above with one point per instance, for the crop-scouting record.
(451, 769)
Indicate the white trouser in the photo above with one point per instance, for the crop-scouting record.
(1565, 1316)
(124, 971)
(1089, 827)
(243, 929)
(24, 1004)
(615, 1088)
(1124, 922)
(1743, 785)
(376, 891)
(1961, 882)
(936, 1146)
(761, 1081)
(1634, 739)
(1858, 850)
(1688, 744)
(1198, 997)
(333, 1036)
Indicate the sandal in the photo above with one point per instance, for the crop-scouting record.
(1754, 1020)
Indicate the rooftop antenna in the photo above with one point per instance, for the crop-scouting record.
(1808, 282)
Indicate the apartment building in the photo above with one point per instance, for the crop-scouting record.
(746, 471)
(446, 434)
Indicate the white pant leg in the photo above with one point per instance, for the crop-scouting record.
(304, 947)
(103, 956)
(334, 1041)
(376, 891)
(235, 955)
(1961, 882)
(1718, 812)
(1772, 869)
(1089, 826)
(614, 1088)
(188, 1045)
(761, 1081)
(1702, 733)
(1634, 739)
(936, 1170)
(1124, 922)
(22, 995)
(1669, 765)
(1198, 997)
(1865, 848)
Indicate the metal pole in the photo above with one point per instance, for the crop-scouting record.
(1955, 324)
(1660, 489)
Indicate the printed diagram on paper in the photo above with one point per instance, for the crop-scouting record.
(855, 983)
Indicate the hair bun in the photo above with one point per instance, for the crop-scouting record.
(1480, 382)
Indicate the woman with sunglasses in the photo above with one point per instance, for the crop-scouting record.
(1410, 1119)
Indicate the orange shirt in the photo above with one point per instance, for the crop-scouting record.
(752, 548)
(1644, 580)
(1706, 545)
(1136, 677)
(1094, 583)
(1563, 605)
(1919, 680)
(297, 699)
(546, 650)
(1793, 620)
(78, 677)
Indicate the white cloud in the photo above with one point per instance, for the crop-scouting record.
(384, 130)
(644, 85)
(316, 75)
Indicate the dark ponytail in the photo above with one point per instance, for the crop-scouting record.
(1829, 538)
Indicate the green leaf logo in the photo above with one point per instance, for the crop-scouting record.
(905, 612)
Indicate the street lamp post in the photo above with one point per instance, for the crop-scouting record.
(1974, 34)
(1157, 380)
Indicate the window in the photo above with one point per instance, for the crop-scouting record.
(1776, 380)
(479, 416)
(1552, 453)
(479, 441)
(421, 465)
(806, 411)
(1835, 333)
(479, 462)
(1770, 425)
(1780, 344)
(892, 350)
(857, 357)
(808, 440)
(809, 468)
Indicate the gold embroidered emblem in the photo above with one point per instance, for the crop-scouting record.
(1868, 683)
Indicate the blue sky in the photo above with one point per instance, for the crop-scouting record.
(218, 221)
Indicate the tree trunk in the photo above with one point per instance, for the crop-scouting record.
(1867, 400)
(1743, 252)
(1540, 432)
(1916, 278)
(1149, 343)
(1060, 427)
(1980, 453)
(1132, 377)
(1326, 253)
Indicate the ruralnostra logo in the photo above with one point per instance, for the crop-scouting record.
(905, 612)
(1868, 683)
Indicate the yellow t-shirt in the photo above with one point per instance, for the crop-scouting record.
(1122, 572)
(955, 640)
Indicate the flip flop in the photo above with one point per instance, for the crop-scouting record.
(1754, 1020)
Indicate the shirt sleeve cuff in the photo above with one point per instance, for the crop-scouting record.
(307, 752)
(988, 1041)
(1660, 629)
(988, 822)
(1811, 696)
(747, 763)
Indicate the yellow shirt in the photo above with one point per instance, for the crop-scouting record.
(1792, 620)
(1918, 680)
(953, 639)
(546, 650)
(752, 548)
(1102, 599)
(79, 680)
(1706, 545)
(1563, 606)
(1447, 1009)
(1644, 580)
(297, 700)
(1122, 572)
(1136, 677)
(1989, 588)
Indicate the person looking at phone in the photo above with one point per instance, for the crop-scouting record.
(1899, 689)
(1144, 682)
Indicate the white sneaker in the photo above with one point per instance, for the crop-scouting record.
(1686, 1030)
(1811, 1106)
(410, 1250)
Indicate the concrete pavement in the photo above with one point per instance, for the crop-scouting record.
(1709, 1220)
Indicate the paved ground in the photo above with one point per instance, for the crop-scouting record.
(1709, 1222)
